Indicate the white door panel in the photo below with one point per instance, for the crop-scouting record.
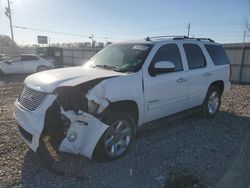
(30, 63)
(30, 66)
(198, 86)
(14, 66)
(199, 74)
(164, 95)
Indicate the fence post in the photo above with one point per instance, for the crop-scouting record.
(242, 61)
(83, 58)
(72, 59)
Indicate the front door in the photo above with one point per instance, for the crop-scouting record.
(165, 94)
(13, 66)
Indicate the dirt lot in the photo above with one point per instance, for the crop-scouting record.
(203, 149)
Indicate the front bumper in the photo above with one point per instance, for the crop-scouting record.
(31, 124)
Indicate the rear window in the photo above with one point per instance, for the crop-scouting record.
(217, 54)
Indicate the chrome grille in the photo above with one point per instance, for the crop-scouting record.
(30, 99)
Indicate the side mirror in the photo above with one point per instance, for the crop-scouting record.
(161, 67)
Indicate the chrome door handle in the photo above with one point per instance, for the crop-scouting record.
(182, 80)
(207, 74)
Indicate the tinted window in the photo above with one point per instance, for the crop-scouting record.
(169, 52)
(217, 54)
(29, 58)
(194, 56)
(15, 59)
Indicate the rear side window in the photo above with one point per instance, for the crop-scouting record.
(169, 52)
(217, 54)
(29, 58)
(195, 57)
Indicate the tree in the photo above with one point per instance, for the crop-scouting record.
(6, 42)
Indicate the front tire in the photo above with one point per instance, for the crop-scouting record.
(117, 139)
(211, 104)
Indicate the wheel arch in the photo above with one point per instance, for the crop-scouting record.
(219, 84)
(40, 66)
(130, 106)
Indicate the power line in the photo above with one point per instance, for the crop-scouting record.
(49, 31)
(61, 33)
(72, 25)
(98, 23)
(52, 11)
(217, 23)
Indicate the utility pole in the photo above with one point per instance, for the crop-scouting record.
(8, 14)
(92, 39)
(188, 27)
(244, 36)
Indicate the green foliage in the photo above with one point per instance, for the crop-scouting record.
(6, 42)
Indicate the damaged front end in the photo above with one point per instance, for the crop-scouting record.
(74, 122)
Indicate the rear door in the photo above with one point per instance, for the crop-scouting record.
(30, 63)
(199, 76)
(165, 94)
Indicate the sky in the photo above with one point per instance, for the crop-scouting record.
(116, 20)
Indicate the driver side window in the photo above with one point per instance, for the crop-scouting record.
(168, 52)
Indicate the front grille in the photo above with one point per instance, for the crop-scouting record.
(30, 99)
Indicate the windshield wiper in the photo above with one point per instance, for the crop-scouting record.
(107, 67)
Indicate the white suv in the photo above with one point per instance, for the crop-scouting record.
(95, 110)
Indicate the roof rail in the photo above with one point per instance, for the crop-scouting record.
(165, 36)
(204, 39)
(199, 39)
(174, 37)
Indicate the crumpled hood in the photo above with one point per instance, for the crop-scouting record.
(48, 81)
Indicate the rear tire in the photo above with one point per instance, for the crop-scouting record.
(211, 104)
(42, 68)
(117, 139)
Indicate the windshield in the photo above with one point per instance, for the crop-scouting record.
(121, 57)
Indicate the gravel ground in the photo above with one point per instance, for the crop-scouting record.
(204, 149)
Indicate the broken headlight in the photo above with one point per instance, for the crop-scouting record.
(93, 107)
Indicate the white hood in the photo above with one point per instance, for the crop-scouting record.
(48, 81)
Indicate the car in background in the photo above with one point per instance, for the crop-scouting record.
(25, 63)
(3, 57)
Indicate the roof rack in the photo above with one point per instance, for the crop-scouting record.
(179, 38)
(203, 39)
(165, 36)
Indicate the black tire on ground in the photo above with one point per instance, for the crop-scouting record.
(212, 93)
(42, 68)
(100, 153)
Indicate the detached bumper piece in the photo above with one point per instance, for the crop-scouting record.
(83, 134)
